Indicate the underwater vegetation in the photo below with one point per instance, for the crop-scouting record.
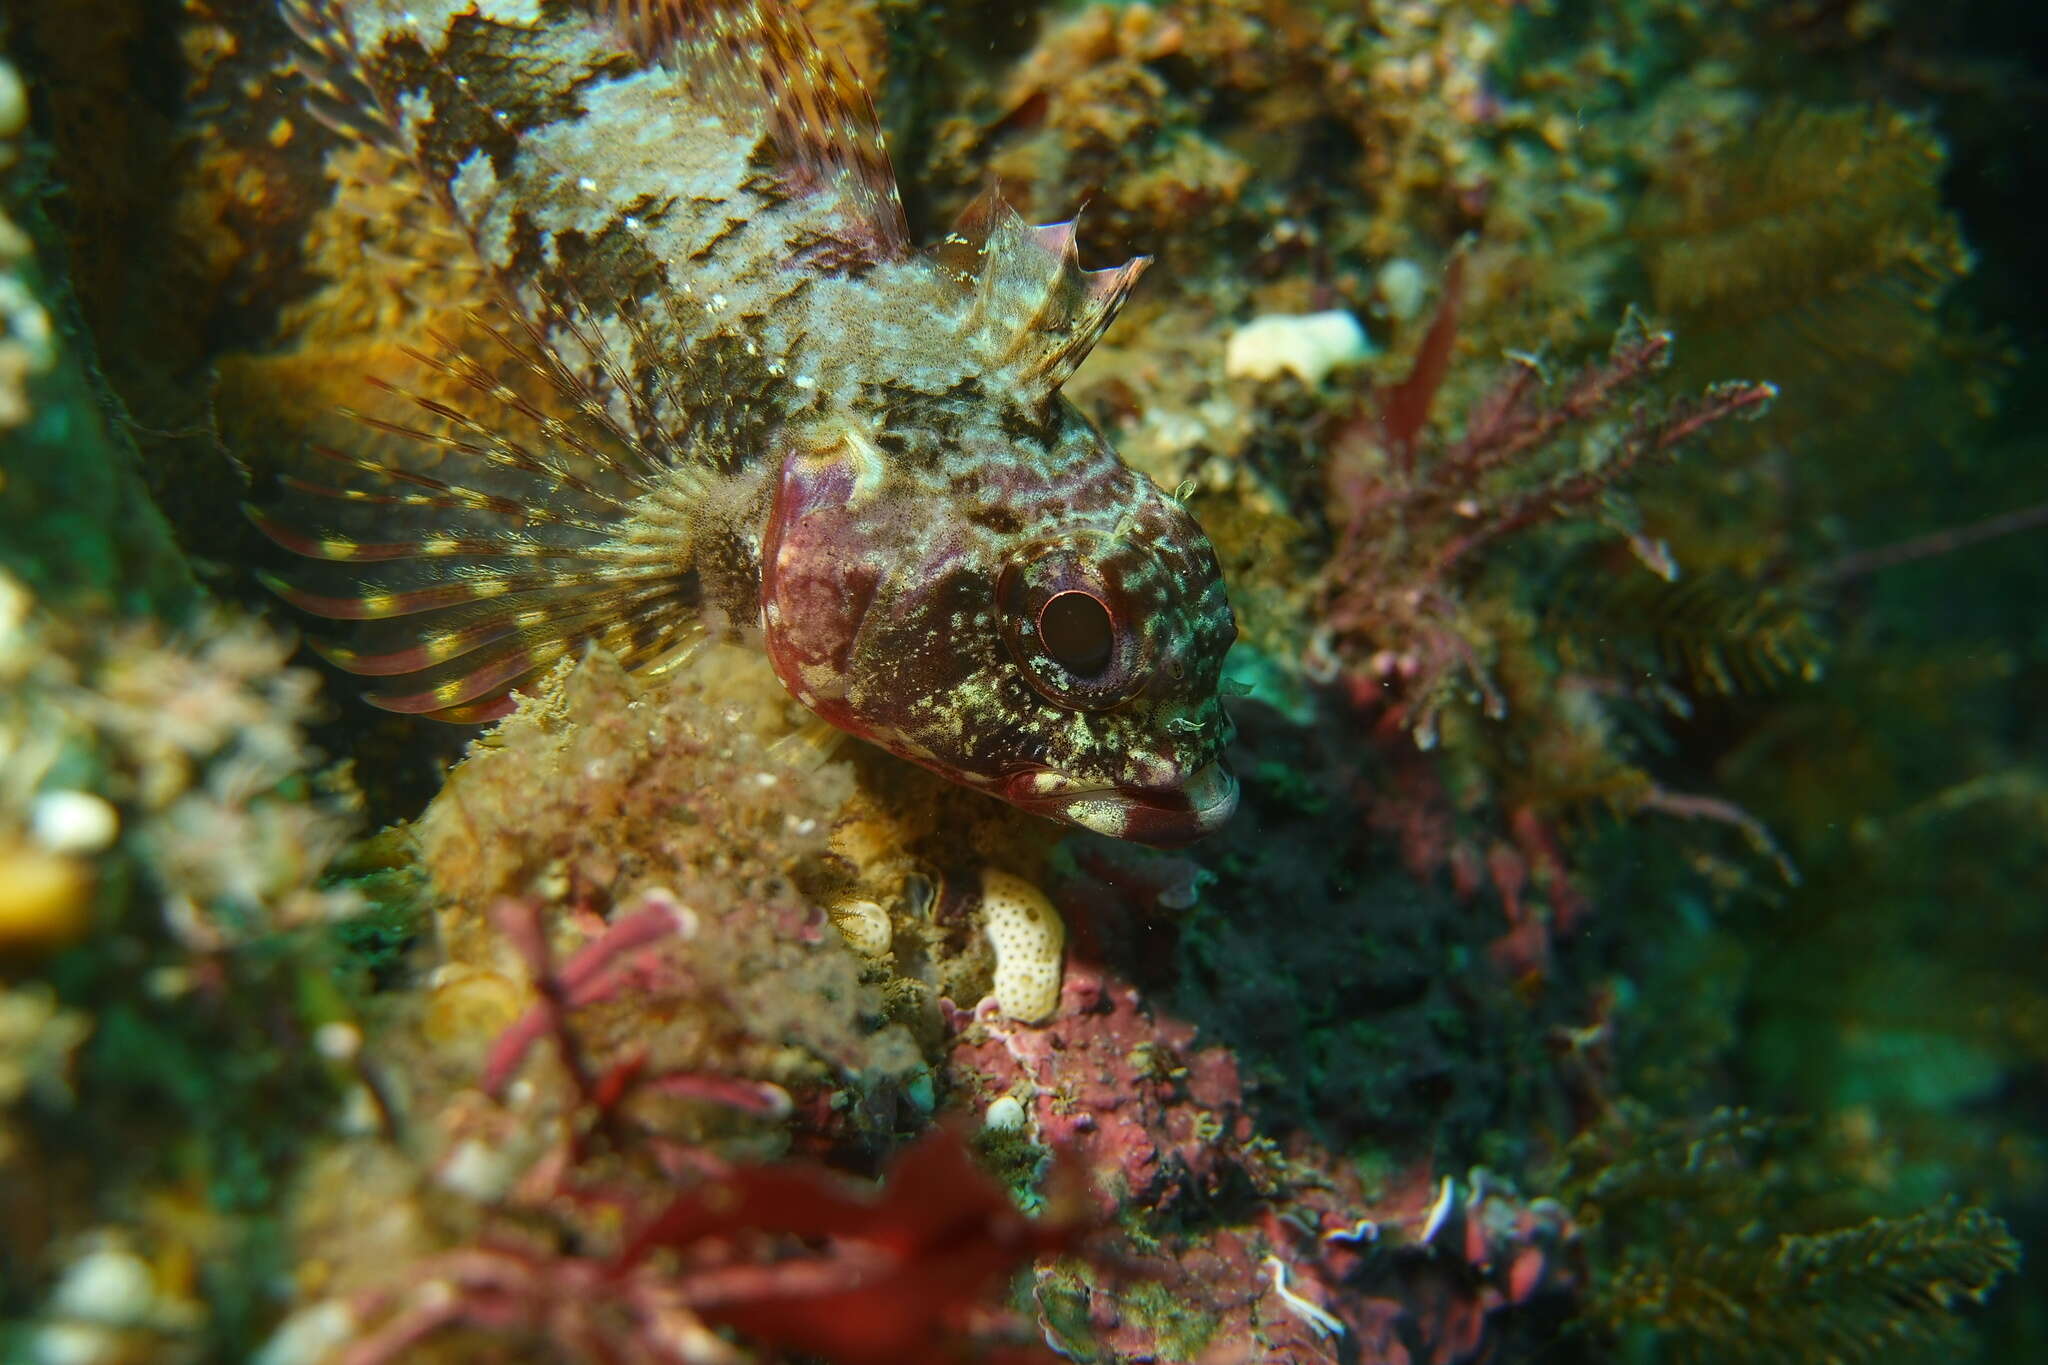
(1524, 620)
(1878, 1290)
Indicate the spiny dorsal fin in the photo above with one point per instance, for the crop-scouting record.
(750, 56)
(1035, 313)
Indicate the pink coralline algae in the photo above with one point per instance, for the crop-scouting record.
(1151, 1116)
(1285, 1258)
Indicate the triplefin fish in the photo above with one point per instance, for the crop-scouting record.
(725, 397)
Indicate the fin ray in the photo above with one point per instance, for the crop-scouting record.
(438, 647)
(632, 630)
(759, 57)
(1035, 312)
(374, 604)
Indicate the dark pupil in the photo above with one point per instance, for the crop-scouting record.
(1077, 631)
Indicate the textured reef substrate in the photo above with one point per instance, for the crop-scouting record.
(1618, 423)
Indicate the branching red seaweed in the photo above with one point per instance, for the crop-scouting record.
(1403, 629)
(791, 1256)
(1414, 509)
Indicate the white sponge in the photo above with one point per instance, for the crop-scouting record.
(1305, 345)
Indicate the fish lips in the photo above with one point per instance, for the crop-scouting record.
(1165, 817)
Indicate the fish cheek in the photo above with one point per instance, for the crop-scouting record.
(818, 587)
(926, 670)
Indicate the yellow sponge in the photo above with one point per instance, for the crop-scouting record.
(1028, 937)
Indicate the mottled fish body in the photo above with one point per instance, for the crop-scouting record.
(729, 399)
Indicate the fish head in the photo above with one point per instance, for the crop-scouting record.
(1119, 639)
(1056, 643)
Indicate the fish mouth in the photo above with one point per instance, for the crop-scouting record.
(1165, 817)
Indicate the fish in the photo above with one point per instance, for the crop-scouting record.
(722, 396)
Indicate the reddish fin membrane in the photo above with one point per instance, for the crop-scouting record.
(487, 680)
(340, 550)
(434, 650)
(484, 712)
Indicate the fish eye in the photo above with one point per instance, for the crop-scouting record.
(1071, 626)
(1076, 630)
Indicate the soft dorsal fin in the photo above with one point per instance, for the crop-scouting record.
(757, 58)
(1035, 314)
